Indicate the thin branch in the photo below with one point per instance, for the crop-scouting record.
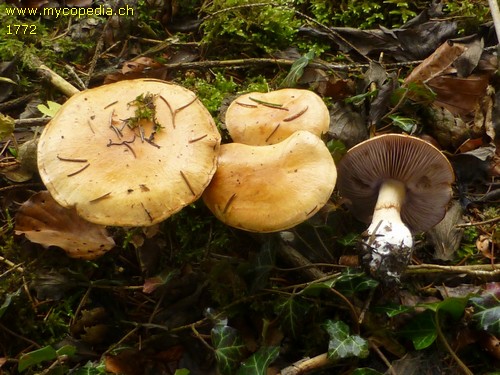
(489, 221)
(472, 270)
(307, 365)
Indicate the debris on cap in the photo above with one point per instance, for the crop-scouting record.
(268, 118)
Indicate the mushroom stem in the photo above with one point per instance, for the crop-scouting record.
(390, 199)
(390, 240)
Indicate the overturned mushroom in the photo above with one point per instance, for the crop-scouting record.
(399, 184)
(129, 153)
(271, 188)
(268, 118)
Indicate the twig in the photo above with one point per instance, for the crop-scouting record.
(472, 270)
(16, 102)
(489, 221)
(55, 79)
(13, 266)
(296, 259)
(307, 365)
(31, 122)
(384, 359)
(19, 336)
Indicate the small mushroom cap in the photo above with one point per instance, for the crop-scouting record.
(424, 170)
(92, 157)
(268, 118)
(271, 188)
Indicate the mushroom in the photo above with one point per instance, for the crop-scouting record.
(129, 153)
(399, 184)
(271, 188)
(268, 118)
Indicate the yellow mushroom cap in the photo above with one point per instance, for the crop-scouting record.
(268, 118)
(271, 188)
(114, 171)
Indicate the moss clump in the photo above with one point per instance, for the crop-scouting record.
(249, 26)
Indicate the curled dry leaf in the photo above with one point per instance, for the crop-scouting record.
(42, 220)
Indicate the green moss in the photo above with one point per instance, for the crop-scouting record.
(468, 13)
(213, 90)
(194, 231)
(468, 245)
(364, 14)
(249, 26)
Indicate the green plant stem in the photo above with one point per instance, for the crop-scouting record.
(443, 340)
(352, 309)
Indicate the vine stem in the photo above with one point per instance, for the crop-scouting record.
(443, 340)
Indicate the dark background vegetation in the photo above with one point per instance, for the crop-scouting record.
(193, 296)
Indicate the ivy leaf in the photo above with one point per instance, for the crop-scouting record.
(393, 310)
(454, 306)
(291, 312)
(229, 348)
(489, 320)
(349, 282)
(421, 330)
(258, 363)
(488, 316)
(342, 344)
(262, 265)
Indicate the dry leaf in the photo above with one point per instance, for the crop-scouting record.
(139, 65)
(485, 245)
(42, 220)
(445, 236)
(458, 95)
(437, 63)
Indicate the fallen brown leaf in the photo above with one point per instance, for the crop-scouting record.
(42, 220)
(458, 95)
(437, 63)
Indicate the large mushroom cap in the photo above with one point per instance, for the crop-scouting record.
(129, 153)
(268, 118)
(271, 188)
(424, 170)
